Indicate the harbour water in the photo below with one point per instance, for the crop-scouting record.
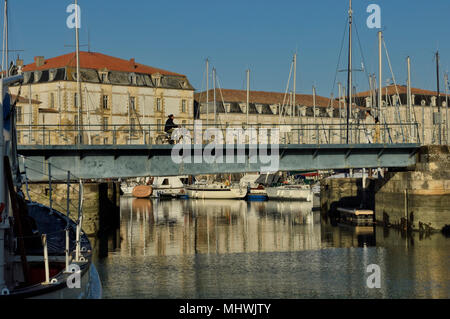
(237, 249)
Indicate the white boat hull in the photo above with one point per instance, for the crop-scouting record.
(287, 193)
(174, 192)
(219, 193)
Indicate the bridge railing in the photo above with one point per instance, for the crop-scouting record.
(153, 134)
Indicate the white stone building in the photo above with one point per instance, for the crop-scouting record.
(122, 101)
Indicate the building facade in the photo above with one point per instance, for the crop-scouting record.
(122, 101)
(307, 119)
(323, 120)
(428, 109)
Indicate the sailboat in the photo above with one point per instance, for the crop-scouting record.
(215, 190)
(53, 257)
(288, 190)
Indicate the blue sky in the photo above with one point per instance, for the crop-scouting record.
(239, 34)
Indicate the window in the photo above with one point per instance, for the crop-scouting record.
(133, 79)
(159, 125)
(132, 125)
(158, 104)
(19, 114)
(183, 106)
(105, 102)
(75, 100)
(132, 102)
(52, 100)
(104, 77)
(75, 120)
(105, 123)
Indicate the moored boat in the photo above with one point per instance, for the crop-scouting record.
(256, 191)
(290, 192)
(215, 191)
(43, 253)
(168, 187)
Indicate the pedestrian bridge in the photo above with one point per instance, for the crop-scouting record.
(125, 161)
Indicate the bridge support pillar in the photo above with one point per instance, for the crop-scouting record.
(424, 192)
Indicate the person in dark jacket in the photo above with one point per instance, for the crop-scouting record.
(170, 125)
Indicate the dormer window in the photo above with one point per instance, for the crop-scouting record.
(157, 79)
(133, 79)
(104, 77)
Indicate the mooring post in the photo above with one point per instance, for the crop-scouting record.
(47, 271)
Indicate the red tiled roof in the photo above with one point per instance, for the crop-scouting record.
(261, 97)
(97, 61)
(402, 89)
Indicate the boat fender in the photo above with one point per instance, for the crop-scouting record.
(5, 292)
(54, 281)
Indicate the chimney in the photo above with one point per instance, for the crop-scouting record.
(133, 62)
(19, 62)
(39, 60)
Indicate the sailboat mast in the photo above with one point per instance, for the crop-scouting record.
(6, 40)
(380, 84)
(349, 79)
(248, 94)
(438, 97)
(408, 61)
(77, 41)
(207, 93)
(314, 103)
(295, 83)
(446, 105)
(215, 104)
(3, 189)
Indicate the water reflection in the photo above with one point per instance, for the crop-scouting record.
(163, 228)
(238, 249)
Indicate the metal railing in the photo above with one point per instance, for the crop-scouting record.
(74, 204)
(358, 133)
